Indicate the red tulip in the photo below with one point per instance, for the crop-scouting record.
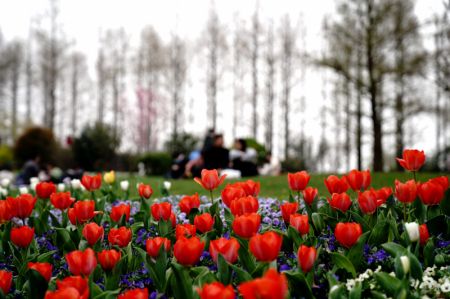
(145, 191)
(216, 290)
(287, 209)
(306, 257)
(382, 195)
(412, 159)
(161, 211)
(92, 183)
(22, 236)
(424, 234)
(250, 187)
(135, 294)
(45, 269)
(336, 185)
(298, 181)
(92, 232)
(300, 223)
(45, 189)
(244, 205)
(108, 259)
(266, 247)
(187, 203)
(77, 282)
(227, 248)
(66, 293)
(247, 225)
(367, 201)
(81, 262)
(430, 193)
(61, 200)
(173, 219)
(441, 180)
(82, 211)
(204, 222)
(271, 286)
(347, 234)
(5, 281)
(120, 236)
(210, 179)
(359, 180)
(153, 246)
(309, 194)
(185, 230)
(22, 206)
(188, 251)
(120, 210)
(5, 212)
(340, 202)
(406, 192)
(232, 192)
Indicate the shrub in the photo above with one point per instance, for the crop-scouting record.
(96, 147)
(35, 142)
(156, 163)
(6, 157)
(183, 143)
(260, 149)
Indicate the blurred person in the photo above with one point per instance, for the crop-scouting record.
(244, 158)
(209, 140)
(178, 167)
(29, 170)
(217, 156)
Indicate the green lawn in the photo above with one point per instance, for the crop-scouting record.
(275, 186)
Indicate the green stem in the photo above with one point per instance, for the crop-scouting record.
(211, 196)
(414, 174)
(404, 212)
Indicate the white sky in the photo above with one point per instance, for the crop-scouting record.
(83, 20)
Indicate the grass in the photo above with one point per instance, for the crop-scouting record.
(273, 186)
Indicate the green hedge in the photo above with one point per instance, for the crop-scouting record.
(156, 163)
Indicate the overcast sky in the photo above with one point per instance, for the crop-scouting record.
(83, 20)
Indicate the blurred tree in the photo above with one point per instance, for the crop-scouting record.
(270, 61)
(52, 48)
(176, 81)
(149, 63)
(96, 147)
(254, 58)
(115, 47)
(78, 74)
(35, 142)
(216, 47)
(102, 78)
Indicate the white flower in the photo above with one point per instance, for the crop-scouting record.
(334, 288)
(23, 190)
(412, 228)
(405, 263)
(167, 185)
(5, 182)
(3, 191)
(61, 187)
(445, 287)
(124, 185)
(350, 284)
(76, 184)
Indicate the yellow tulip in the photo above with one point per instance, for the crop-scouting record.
(109, 177)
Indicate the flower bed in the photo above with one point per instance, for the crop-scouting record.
(93, 241)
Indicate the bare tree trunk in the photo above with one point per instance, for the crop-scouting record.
(348, 124)
(74, 93)
(270, 81)
(359, 95)
(373, 91)
(29, 85)
(254, 61)
(101, 86)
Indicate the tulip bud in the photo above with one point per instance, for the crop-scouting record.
(61, 187)
(412, 228)
(167, 185)
(23, 190)
(76, 184)
(124, 185)
(109, 177)
(5, 182)
(405, 263)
